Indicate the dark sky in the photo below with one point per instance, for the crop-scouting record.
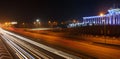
(59, 10)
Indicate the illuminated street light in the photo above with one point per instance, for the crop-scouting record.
(49, 22)
(23, 23)
(37, 23)
(13, 22)
(101, 14)
(37, 20)
(74, 21)
(6, 23)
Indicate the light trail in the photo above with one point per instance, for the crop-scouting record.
(29, 48)
(18, 49)
(52, 50)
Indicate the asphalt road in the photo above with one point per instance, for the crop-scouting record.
(90, 49)
(27, 49)
(4, 53)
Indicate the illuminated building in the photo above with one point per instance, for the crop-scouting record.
(112, 18)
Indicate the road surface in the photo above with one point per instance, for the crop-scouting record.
(28, 49)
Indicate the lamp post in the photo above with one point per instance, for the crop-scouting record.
(104, 24)
(50, 24)
(37, 22)
(104, 29)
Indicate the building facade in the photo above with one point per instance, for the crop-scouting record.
(112, 18)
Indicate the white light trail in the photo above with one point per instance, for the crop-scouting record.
(52, 50)
(18, 49)
(28, 47)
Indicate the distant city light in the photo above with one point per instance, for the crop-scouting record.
(13, 22)
(74, 21)
(37, 20)
(49, 21)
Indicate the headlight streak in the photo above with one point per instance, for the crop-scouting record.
(52, 50)
(18, 49)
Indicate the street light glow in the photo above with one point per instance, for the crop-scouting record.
(101, 14)
(37, 20)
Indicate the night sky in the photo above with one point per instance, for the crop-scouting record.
(59, 10)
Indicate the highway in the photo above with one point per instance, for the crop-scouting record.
(78, 48)
(25, 48)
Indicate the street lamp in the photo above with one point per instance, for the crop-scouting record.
(37, 20)
(104, 23)
(101, 14)
(49, 22)
(74, 21)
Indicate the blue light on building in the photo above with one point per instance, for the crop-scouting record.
(112, 18)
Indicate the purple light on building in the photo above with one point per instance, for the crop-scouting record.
(112, 18)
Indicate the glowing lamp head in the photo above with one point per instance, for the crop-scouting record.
(37, 20)
(101, 14)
